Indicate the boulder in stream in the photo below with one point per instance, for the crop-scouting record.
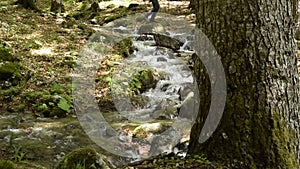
(167, 41)
(125, 47)
(151, 27)
(148, 129)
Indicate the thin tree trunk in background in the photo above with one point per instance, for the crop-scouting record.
(260, 124)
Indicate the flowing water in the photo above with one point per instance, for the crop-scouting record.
(164, 119)
(172, 103)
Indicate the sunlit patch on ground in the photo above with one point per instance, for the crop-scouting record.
(43, 51)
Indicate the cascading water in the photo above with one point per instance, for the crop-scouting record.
(165, 100)
(168, 109)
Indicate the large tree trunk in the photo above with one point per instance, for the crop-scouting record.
(260, 124)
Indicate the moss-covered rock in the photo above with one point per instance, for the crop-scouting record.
(9, 70)
(125, 47)
(9, 93)
(144, 80)
(168, 42)
(6, 164)
(5, 54)
(143, 131)
(82, 157)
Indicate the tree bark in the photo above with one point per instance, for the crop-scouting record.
(260, 124)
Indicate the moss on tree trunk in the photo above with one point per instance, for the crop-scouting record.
(260, 124)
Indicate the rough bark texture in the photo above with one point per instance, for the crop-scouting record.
(260, 124)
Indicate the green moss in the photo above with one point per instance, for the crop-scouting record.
(125, 47)
(9, 93)
(113, 17)
(19, 107)
(6, 164)
(53, 102)
(86, 157)
(143, 80)
(258, 139)
(5, 54)
(284, 140)
(9, 70)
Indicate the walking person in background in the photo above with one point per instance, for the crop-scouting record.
(153, 11)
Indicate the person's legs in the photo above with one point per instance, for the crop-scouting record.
(148, 14)
(154, 9)
(152, 19)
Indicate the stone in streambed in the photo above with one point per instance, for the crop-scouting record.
(151, 27)
(167, 41)
(125, 47)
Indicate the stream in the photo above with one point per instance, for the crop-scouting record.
(134, 132)
(164, 119)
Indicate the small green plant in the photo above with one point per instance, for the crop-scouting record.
(55, 101)
(79, 159)
(80, 165)
(64, 105)
(18, 154)
(9, 93)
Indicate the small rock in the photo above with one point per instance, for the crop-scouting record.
(144, 38)
(133, 5)
(161, 59)
(146, 130)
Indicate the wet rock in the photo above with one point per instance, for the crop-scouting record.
(152, 27)
(82, 157)
(166, 41)
(165, 86)
(161, 59)
(132, 6)
(125, 47)
(165, 142)
(165, 110)
(144, 38)
(146, 130)
(144, 80)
